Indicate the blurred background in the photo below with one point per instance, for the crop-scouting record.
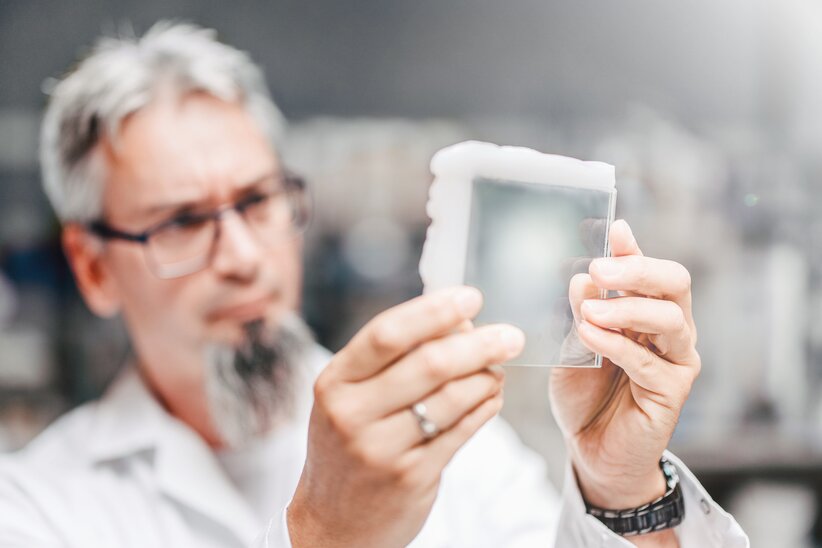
(711, 112)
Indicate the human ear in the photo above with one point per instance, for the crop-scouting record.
(85, 254)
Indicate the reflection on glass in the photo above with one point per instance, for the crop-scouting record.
(525, 243)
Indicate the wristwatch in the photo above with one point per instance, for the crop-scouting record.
(663, 513)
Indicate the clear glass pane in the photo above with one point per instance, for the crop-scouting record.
(526, 241)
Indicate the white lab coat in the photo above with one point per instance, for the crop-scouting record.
(123, 472)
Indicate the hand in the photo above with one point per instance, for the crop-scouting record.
(618, 420)
(371, 477)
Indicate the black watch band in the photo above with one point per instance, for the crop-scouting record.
(663, 513)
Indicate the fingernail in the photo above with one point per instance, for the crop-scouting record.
(630, 232)
(513, 339)
(468, 301)
(608, 267)
(627, 228)
(594, 306)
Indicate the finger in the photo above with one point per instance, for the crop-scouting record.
(622, 243)
(642, 366)
(622, 240)
(436, 453)
(644, 275)
(438, 362)
(444, 408)
(580, 289)
(657, 278)
(464, 327)
(404, 327)
(664, 322)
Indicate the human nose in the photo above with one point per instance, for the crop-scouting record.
(237, 254)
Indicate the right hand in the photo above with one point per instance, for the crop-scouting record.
(370, 476)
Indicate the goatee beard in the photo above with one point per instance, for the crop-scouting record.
(252, 385)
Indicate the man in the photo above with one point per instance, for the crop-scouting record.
(231, 428)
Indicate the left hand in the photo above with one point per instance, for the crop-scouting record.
(618, 420)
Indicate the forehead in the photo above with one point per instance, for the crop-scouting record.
(188, 148)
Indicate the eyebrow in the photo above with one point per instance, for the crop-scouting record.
(173, 208)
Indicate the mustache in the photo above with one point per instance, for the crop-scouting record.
(268, 287)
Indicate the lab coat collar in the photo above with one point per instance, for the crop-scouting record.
(129, 420)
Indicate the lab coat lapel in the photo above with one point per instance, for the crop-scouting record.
(188, 471)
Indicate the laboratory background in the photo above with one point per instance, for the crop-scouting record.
(710, 111)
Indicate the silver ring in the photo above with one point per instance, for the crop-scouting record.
(428, 428)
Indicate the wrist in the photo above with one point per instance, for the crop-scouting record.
(653, 521)
(619, 492)
(303, 529)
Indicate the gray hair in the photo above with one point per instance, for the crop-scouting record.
(120, 76)
(252, 386)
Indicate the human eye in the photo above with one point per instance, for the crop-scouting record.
(257, 206)
(253, 199)
(189, 219)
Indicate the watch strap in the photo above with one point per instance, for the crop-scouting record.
(663, 513)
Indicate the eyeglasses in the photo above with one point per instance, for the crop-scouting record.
(185, 243)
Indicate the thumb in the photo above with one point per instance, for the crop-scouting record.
(622, 240)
